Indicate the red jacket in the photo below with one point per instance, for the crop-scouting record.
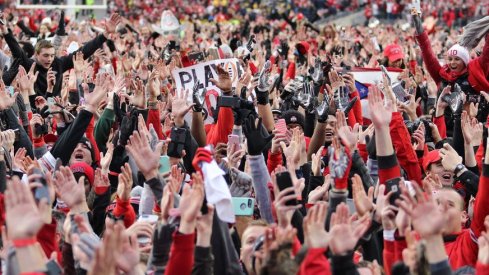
(181, 259)
(401, 140)
(218, 133)
(124, 208)
(315, 263)
(478, 68)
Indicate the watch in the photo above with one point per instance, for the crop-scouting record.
(458, 168)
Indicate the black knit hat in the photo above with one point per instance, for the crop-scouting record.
(89, 145)
(293, 117)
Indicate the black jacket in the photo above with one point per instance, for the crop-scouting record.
(59, 65)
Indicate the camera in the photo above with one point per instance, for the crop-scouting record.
(412, 126)
(235, 102)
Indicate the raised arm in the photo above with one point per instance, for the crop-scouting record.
(429, 57)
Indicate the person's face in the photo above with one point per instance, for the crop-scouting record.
(395, 64)
(45, 57)
(43, 29)
(250, 235)
(450, 203)
(456, 64)
(445, 176)
(81, 153)
(330, 128)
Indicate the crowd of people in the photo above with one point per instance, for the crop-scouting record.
(287, 161)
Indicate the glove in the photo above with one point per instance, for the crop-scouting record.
(339, 167)
(61, 26)
(198, 97)
(264, 84)
(251, 43)
(257, 142)
(323, 111)
(128, 125)
(456, 100)
(418, 25)
(306, 97)
(202, 154)
(162, 240)
(341, 97)
(241, 183)
(316, 72)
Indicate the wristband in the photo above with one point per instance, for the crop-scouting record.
(24, 242)
(262, 98)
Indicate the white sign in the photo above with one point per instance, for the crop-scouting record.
(185, 78)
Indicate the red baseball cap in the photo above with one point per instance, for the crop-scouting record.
(303, 47)
(85, 169)
(431, 157)
(393, 52)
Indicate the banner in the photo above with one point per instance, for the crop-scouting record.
(185, 78)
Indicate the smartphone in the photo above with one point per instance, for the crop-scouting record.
(384, 72)
(281, 126)
(234, 139)
(176, 145)
(243, 206)
(41, 192)
(284, 181)
(196, 56)
(164, 165)
(393, 185)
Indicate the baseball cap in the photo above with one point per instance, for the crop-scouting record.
(431, 157)
(393, 52)
(82, 169)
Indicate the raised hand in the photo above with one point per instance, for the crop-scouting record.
(449, 157)
(139, 97)
(223, 81)
(363, 203)
(23, 217)
(190, 204)
(293, 151)
(146, 159)
(198, 96)
(26, 81)
(111, 24)
(125, 183)
(317, 72)
(344, 235)
(314, 232)
(93, 99)
(381, 115)
(6, 100)
(284, 211)
(419, 137)
(306, 96)
(180, 107)
(321, 192)
(257, 142)
(154, 84)
(79, 64)
(427, 219)
(106, 159)
(70, 191)
(471, 129)
(264, 84)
